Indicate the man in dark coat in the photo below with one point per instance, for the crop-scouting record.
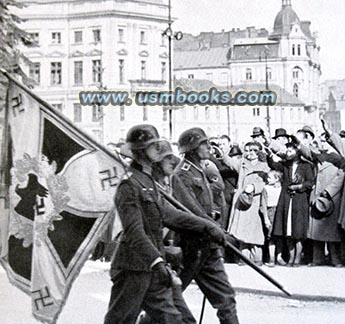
(141, 278)
(202, 260)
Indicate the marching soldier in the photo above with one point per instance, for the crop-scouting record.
(202, 259)
(141, 277)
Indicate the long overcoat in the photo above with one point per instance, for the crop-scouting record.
(331, 179)
(247, 225)
(299, 200)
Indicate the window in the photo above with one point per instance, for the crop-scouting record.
(218, 112)
(78, 72)
(163, 40)
(121, 71)
(35, 72)
(35, 38)
(165, 114)
(122, 113)
(57, 106)
(299, 50)
(207, 113)
(143, 70)
(142, 37)
(163, 71)
(56, 38)
(145, 113)
(256, 112)
(196, 113)
(121, 34)
(77, 113)
(97, 113)
(190, 76)
(96, 35)
(295, 90)
(293, 49)
(78, 37)
(96, 71)
(55, 73)
(249, 75)
(297, 73)
(269, 73)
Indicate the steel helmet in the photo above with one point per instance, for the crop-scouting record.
(190, 139)
(166, 150)
(141, 136)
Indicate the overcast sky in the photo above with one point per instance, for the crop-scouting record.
(327, 18)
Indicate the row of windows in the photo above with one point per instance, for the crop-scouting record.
(56, 37)
(249, 74)
(297, 73)
(257, 111)
(97, 71)
(97, 112)
(293, 50)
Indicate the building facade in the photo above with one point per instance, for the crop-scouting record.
(332, 96)
(87, 45)
(285, 60)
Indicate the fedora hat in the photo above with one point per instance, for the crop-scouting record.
(235, 150)
(280, 132)
(321, 208)
(308, 129)
(257, 131)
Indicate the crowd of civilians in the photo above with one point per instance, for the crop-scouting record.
(281, 198)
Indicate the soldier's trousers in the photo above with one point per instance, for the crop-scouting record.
(180, 304)
(133, 291)
(207, 269)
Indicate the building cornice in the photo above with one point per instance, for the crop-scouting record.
(98, 14)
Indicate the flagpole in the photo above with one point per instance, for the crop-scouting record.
(76, 131)
(4, 180)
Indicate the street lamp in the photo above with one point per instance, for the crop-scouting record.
(170, 35)
(268, 118)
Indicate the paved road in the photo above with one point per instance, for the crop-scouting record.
(89, 297)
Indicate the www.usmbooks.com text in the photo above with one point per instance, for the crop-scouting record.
(179, 97)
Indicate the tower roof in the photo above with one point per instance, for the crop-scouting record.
(284, 19)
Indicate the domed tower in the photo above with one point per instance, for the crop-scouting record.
(285, 18)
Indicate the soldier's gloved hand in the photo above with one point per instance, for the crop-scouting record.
(163, 274)
(216, 233)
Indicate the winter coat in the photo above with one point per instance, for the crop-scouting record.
(247, 225)
(339, 144)
(331, 179)
(300, 200)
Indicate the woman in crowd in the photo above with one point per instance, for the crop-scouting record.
(291, 221)
(245, 220)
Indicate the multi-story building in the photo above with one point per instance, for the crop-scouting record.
(90, 45)
(333, 103)
(285, 60)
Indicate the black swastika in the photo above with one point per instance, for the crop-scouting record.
(110, 177)
(44, 299)
(17, 104)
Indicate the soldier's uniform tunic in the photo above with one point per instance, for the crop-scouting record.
(202, 259)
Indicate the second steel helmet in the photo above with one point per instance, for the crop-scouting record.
(190, 139)
(166, 150)
(141, 136)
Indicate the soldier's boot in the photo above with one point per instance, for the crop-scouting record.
(228, 315)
